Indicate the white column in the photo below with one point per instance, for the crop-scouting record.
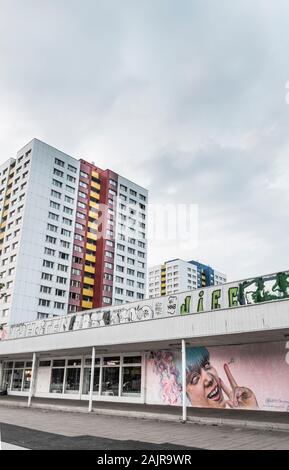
(32, 379)
(91, 379)
(1, 372)
(184, 381)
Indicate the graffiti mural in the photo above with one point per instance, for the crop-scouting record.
(248, 292)
(251, 376)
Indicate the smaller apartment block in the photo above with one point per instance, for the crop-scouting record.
(177, 275)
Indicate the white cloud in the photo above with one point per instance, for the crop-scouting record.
(187, 98)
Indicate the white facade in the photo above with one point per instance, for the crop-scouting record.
(38, 267)
(130, 263)
(175, 276)
(219, 278)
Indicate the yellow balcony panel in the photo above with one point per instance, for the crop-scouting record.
(92, 225)
(90, 258)
(86, 304)
(92, 236)
(163, 285)
(94, 204)
(89, 269)
(88, 280)
(91, 247)
(5, 213)
(95, 185)
(3, 225)
(94, 194)
(8, 192)
(88, 292)
(2, 235)
(93, 215)
(95, 174)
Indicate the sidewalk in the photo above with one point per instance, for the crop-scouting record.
(241, 418)
(34, 428)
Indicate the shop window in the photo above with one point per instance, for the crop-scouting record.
(72, 380)
(56, 383)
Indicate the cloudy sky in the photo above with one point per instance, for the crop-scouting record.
(187, 98)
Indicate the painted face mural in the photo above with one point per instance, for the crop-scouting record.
(203, 383)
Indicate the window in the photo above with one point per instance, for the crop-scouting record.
(61, 280)
(66, 233)
(142, 197)
(59, 162)
(47, 277)
(120, 269)
(66, 221)
(82, 184)
(57, 183)
(132, 192)
(48, 264)
(70, 189)
(64, 244)
(55, 194)
(118, 290)
(53, 216)
(76, 272)
(72, 169)
(129, 293)
(59, 305)
(63, 255)
(71, 178)
(130, 272)
(58, 172)
(44, 302)
(67, 210)
(83, 174)
(54, 205)
(108, 265)
(123, 188)
(62, 267)
(49, 251)
(82, 205)
(60, 292)
(45, 289)
(51, 228)
(68, 199)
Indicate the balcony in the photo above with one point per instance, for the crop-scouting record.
(86, 304)
(89, 269)
(94, 174)
(95, 195)
(87, 292)
(91, 247)
(92, 225)
(90, 258)
(92, 236)
(95, 185)
(94, 204)
(93, 215)
(88, 280)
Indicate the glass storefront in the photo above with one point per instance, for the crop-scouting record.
(113, 375)
(17, 376)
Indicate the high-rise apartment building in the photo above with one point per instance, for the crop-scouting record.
(72, 236)
(177, 275)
